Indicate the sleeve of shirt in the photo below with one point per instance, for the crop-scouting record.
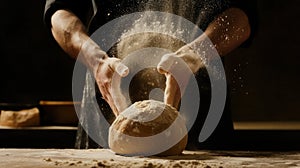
(81, 8)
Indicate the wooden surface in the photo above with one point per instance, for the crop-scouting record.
(49, 158)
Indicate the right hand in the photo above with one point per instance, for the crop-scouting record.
(104, 68)
(181, 64)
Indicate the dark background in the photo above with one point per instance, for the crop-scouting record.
(264, 76)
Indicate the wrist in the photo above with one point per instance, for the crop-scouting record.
(191, 57)
(91, 55)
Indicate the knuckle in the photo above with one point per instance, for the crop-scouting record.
(168, 57)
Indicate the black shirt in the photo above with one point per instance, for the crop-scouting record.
(199, 12)
(95, 13)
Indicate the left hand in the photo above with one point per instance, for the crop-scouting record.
(172, 66)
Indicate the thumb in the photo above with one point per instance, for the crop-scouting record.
(119, 67)
(166, 62)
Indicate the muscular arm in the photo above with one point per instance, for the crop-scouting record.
(71, 35)
(228, 31)
(68, 31)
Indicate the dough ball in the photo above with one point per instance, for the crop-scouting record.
(147, 128)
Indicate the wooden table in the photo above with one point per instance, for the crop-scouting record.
(92, 158)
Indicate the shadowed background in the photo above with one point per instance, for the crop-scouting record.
(263, 76)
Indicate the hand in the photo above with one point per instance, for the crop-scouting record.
(178, 68)
(104, 68)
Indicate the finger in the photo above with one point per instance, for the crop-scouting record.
(119, 99)
(122, 69)
(116, 93)
(172, 92)
(166, 62)
(112, 105)
(115, 90)
(108, 98)
(119, 67)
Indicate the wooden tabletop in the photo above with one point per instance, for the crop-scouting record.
(54, 158)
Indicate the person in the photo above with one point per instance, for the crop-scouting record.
(72, 22)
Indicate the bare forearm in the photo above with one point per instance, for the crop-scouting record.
(228, 31)
(68, 31)
(225, 33)
(71, 35)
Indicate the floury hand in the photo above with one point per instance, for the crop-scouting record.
(178, 68)
(72, 36)
(105, 69)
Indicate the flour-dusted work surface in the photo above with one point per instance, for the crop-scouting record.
(92, 158)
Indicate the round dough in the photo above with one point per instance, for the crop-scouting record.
(147, 128)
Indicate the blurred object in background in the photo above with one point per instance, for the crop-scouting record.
(59, 113)
(23, 118)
